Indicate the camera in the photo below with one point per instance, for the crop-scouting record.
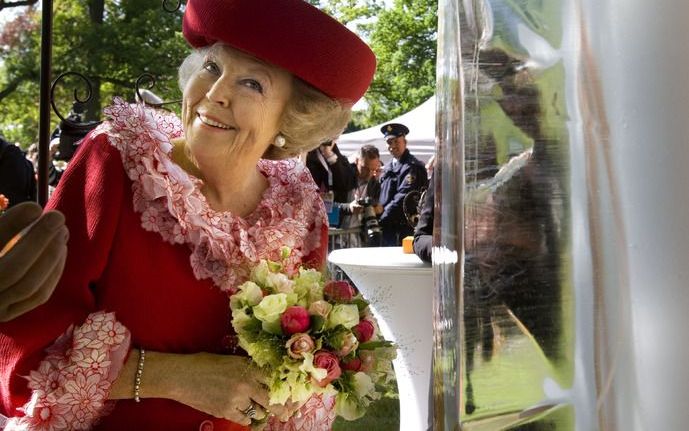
(372, 233)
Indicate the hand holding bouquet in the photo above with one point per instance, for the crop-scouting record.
(312, 337)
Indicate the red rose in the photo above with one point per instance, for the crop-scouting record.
(295, 319)
(352, 365)
(364, 331)
(339, 291)
(328, 361)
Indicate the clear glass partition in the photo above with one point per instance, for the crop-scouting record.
(560, 263)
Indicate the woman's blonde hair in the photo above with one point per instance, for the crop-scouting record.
(309, 119)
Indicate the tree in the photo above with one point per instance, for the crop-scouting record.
(111, 42)
(350, 11)
(404, 40)
(19, 75)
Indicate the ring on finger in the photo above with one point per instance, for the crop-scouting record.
(250, 411)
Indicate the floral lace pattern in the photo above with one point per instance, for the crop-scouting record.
(72, 384)
(317, 414)
(224, 247)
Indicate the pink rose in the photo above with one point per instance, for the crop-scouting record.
(298, 345)
(295, 319)
(339, 291)
(329, 362)
(351, 365)
(364, 331)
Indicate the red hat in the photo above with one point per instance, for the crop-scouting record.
(290, 34)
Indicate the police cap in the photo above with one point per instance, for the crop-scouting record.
(393, 130)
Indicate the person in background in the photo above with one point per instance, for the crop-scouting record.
(54, 172)
(423, 233)
(430, 165)
(17, 175)
(167, 217)
(367, 167)
(402, 175)
(331, 173)
(32, 155)
(32, 263)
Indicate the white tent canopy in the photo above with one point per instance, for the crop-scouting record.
(420, 140)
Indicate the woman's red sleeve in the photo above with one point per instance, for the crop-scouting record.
(47, 355)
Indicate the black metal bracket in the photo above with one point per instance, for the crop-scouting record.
(77, 101)
(5, 4)
(151, 81)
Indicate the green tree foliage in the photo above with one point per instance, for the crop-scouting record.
(404, 40)
(350, 11)
(403, 35)
(112, 42)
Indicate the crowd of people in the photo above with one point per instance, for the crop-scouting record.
(350, 188)
(19, 169)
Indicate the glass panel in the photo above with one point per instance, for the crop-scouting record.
(516, 313)
(562, 128)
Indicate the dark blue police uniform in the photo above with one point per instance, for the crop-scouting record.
(398, 179)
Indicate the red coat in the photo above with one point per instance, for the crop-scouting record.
(115, 265)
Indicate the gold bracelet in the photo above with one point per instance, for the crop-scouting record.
(139, 373)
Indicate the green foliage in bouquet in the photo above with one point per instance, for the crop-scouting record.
(312, 336)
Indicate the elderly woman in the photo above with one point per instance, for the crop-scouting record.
(167, 217)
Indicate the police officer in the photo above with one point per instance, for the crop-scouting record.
(404, 174)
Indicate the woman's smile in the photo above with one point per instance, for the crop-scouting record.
(233, 92)
(212, 122)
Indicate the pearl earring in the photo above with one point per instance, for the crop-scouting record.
(279, 141)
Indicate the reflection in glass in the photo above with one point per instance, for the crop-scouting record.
(516, 312)
(561, 259)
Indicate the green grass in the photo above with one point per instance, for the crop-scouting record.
(383, 415)
(511, 380)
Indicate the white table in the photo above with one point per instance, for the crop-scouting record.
(399, 288)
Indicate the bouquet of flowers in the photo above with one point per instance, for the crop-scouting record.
(312, 337)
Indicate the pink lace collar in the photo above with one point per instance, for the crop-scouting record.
(224, 247)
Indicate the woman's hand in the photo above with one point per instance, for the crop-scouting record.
(223, 386)
(31, 265)
(220, 385)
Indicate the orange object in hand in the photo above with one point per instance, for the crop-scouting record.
(408, 245)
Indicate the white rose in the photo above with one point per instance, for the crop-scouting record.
(271, 307)
(362, 383)
(279, 282)
(346, 315)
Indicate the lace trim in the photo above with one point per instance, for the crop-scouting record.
(72, 384)
(317, 414)
(224, 247)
